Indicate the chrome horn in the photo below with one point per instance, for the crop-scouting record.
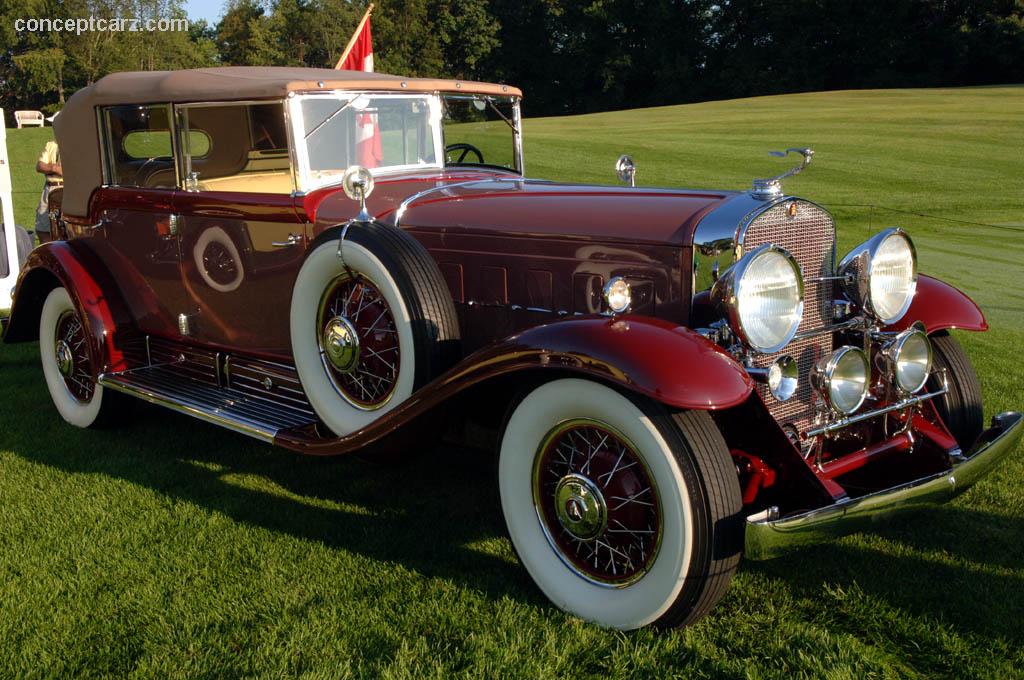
(772, 187)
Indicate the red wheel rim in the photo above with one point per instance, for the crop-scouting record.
(368, 380)
(71, 353)
(597, 502)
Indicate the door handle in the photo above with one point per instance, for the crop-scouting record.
(293, 239)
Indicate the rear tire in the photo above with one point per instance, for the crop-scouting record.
(961, 407)
(577, 458)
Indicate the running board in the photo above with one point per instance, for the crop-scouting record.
(230, 408)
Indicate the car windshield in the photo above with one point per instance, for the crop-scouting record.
(381, 132)
(479, 130)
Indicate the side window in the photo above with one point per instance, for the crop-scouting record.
(236, 147)
(139, 149)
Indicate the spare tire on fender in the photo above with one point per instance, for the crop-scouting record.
(371, 327)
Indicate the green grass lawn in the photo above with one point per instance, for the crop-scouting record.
(171, 548)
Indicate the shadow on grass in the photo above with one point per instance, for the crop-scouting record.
(422, 511)
(948, 565)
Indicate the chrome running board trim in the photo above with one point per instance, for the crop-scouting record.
(227, 408)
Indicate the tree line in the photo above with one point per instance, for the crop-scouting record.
(568, 56)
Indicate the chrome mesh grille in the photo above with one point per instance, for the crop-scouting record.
(810, 236)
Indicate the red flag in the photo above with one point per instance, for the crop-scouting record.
(358, 56)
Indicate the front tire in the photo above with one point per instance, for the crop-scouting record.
(623, 514)
(961, 407)
(67, 364)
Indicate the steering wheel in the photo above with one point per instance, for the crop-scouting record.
(140, 175)
(466, 149)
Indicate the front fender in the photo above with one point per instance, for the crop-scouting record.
(72, 266)
(669, 363)
(940, 306)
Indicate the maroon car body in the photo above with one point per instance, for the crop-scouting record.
(184, 293)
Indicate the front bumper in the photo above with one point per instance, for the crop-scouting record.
(767, 537)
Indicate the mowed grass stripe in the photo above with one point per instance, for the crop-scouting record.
(168, 548)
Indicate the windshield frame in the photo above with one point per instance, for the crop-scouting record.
(296, 126)
(306, 182)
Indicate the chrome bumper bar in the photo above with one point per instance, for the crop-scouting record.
(768, 537)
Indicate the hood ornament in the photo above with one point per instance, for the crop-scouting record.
(767, 189)
(625, 169)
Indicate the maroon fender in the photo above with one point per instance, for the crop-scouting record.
(73, 266)
(666, 362)
(940, 306)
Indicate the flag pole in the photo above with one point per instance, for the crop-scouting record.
(352, 40)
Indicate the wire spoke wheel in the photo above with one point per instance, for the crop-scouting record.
(358, 340)
(72, 356)
(598, 503)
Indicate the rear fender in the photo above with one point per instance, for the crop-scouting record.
(69, 265)
(940, 306)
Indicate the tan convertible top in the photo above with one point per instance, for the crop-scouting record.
(76, 126)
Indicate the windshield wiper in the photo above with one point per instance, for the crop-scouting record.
(329, 118)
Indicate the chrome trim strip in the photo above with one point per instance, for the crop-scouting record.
(867, 415)
(184, 405)
(767, 537)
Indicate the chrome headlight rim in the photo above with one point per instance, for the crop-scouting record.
(857, 268)
(726, 291)
(823, 375)
(891, 354)
(618, 295)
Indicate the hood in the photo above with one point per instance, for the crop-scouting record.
(510, 206)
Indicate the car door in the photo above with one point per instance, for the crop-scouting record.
(135, 234)
(241, 241)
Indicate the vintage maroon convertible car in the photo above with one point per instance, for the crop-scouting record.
(674, 377)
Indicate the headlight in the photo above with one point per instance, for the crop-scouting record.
(763, 295)
(618, 295)
(908, 359)
(842, 379)
(881, 275)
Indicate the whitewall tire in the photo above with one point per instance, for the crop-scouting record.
(67, 364)
(224, 263)
(609, 505)
(368, 331)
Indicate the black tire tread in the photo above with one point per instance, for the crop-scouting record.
(960, 408)
(416, 272)
(717, 513)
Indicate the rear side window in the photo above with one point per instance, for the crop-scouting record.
(155, 143)
(138, 146)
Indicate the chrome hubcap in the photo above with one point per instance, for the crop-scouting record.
(341, 344)
(65, 358)
(580, 507)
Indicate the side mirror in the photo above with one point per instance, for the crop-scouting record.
(357, 182)
(625, 168)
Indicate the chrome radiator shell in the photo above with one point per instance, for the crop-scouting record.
(807, 231)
